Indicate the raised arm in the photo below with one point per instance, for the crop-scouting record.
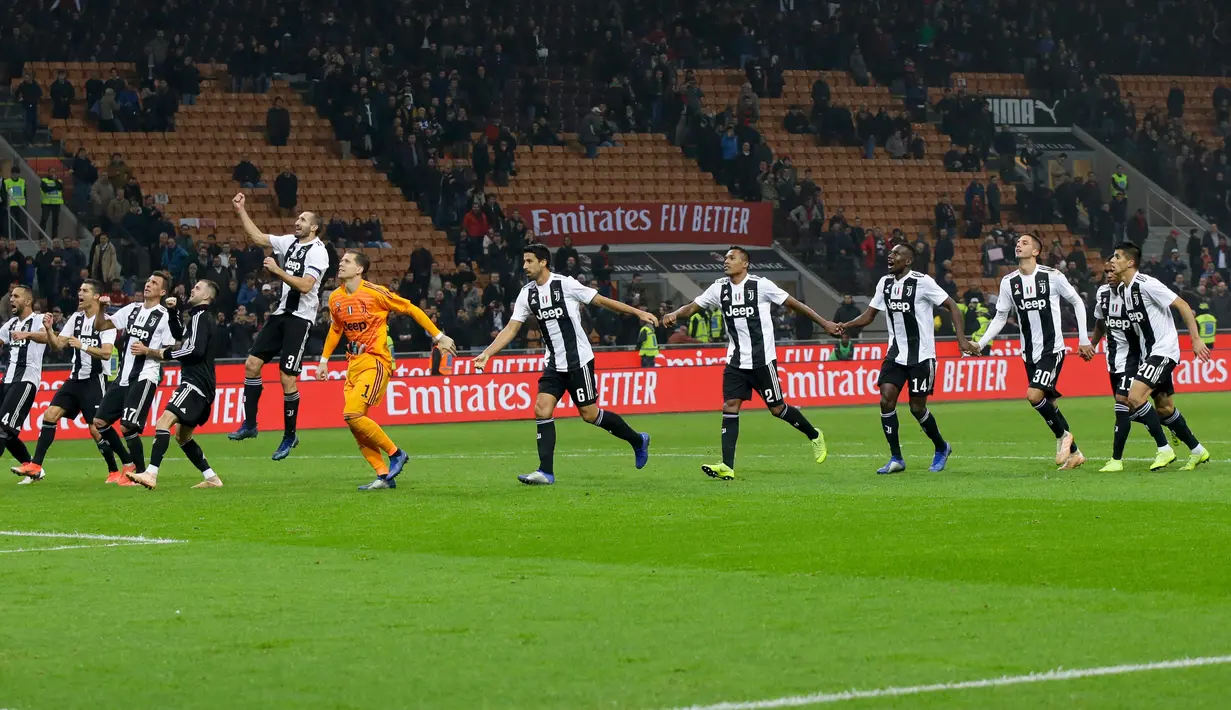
(196, 347)
(258, 237)
(51, 337)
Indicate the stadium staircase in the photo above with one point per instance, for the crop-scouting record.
(192, 166)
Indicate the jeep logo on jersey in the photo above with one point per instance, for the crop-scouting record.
(1013, 111)
(740, 311)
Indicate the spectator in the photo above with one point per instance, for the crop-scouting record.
(62, 96)
(247, 175)
(29, 94)
(1175, 101)
(109, 113)
(923, 254)
(895, 147)
(590, 132)
(563, 254)
(847, 311)
(286, 187)
(993, 200)
(278, 123)
(945, 216)
(104, 263)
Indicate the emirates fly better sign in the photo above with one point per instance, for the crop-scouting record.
(652, 222)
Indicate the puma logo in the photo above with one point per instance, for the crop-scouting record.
(1040, 106)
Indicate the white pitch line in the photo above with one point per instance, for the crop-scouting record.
(78, 547)
(797, 701)
(138, 539)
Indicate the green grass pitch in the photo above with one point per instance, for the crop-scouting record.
(619, 588)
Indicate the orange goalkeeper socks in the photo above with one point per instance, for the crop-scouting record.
(369, 432)
(374, 459)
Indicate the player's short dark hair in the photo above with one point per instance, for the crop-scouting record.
(1038, 242)
(1131, 251)
(741, 250)
(909, 250)
(361, 259)
(539, 251)
(25, 288)
(213, 289)
(167, 283)
(95, 285)
(316, 221)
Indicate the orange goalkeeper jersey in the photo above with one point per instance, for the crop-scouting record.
(363, 316)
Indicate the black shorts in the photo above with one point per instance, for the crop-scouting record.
(920, 378)
(190, 405)
(1045, 374)
(579, 384)
(80, 397)
(1121, 381)
(128, 404)
(283, 337)
(740, 384)
(15, 404)
(1155, 371)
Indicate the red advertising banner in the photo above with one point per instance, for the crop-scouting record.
(509, 395)
(746, 224)
(681, 357)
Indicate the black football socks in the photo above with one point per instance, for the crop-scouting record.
(730, 435)
(547, 444)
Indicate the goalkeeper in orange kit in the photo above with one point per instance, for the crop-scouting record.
(360, 311)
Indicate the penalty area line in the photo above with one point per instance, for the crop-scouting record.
(1059, 674)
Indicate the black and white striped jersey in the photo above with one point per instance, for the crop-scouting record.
(84, 365)
(299, 259)
(150, 326)
(1035, 298)
(747, 319)
(1123, 342)
(1147, 302)
(557, 306)
(25, 356)
(908, 304)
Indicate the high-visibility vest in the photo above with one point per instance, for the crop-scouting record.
(699, 327)
(715, 325)
(843, 352)
(442, 362)
(16, 190)
(984, 321)
(649, 346)
(1119, 184)
(52, 192)
(1207, 327)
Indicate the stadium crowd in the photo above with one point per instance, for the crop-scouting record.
(407, 88)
